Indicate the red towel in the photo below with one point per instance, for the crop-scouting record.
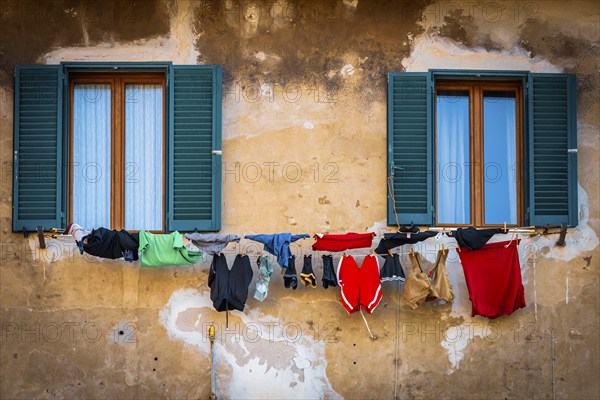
(493, 276)
(343, 242)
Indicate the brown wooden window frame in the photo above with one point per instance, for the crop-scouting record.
(476, 89)
(118, 82)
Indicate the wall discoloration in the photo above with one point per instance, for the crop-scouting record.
(304, 128)
(44, 25)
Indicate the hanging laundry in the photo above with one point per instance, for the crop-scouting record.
(265, 269)
(329, 276)
(307, 276)
(161, 250)
(493, 276)
(473, 238)
(412, 228)
(113, 244)
(393, 240)
(278, 245)
(440, 282)
(290, 277)
(341, 242)
(360, 287)
(417, 288)
(211, 243)
(229, 288)
(79, 233)
(392, 270)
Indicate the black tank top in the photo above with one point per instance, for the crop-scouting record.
(229, 288)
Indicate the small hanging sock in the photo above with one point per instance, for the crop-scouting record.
(307, 276)
(329, 277)
(290, 277)
(264, 277)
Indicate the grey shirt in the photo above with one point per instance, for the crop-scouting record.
(211, 243)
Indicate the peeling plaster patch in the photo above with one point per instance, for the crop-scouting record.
(261, 56)
(178, 47)
(579, 240)
(308, 125)
(179, 302)
(442, 53)
(456, 340)
(347, 70)
(253, 361)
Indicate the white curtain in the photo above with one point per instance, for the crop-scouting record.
(143, 157)
(500, 155)
(91, 155)
(453, 178)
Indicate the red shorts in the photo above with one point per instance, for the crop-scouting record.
(360, 287)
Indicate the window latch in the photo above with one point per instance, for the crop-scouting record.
(571, 150)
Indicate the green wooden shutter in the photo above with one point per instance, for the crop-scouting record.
(194, 184)
(38, 142)
(410, 151)
(552, 149)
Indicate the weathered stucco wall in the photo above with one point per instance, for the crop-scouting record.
(304, 150)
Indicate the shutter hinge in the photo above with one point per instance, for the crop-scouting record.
(571, 150)
(433, 212)
(217, 152)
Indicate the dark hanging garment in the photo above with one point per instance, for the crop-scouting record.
(329, 276)
(113, 244)
(307, 276)
(392, 270)
(290, 277)
(472, 238)
(393, 240)
(229, 288)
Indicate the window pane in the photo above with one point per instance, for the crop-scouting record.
(91, 155)
(500, 157)
(143, 157)
(453, 175)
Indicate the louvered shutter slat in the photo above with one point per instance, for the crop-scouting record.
(194, 171)
(37, 147)
(410, 148)
(552, 132)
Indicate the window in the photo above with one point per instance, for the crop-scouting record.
(481, 148)
(478, 157)
(127, 145)
(116, 150)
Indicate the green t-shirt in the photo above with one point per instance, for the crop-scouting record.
(161, 250)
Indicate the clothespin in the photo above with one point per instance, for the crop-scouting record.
(443, 250)
(372, 252)
(390, 252)
(458, 247)
(505, 231)
(412, 252)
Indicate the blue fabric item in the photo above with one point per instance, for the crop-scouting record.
(128, 255)
(278, 244)
(80, 245)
